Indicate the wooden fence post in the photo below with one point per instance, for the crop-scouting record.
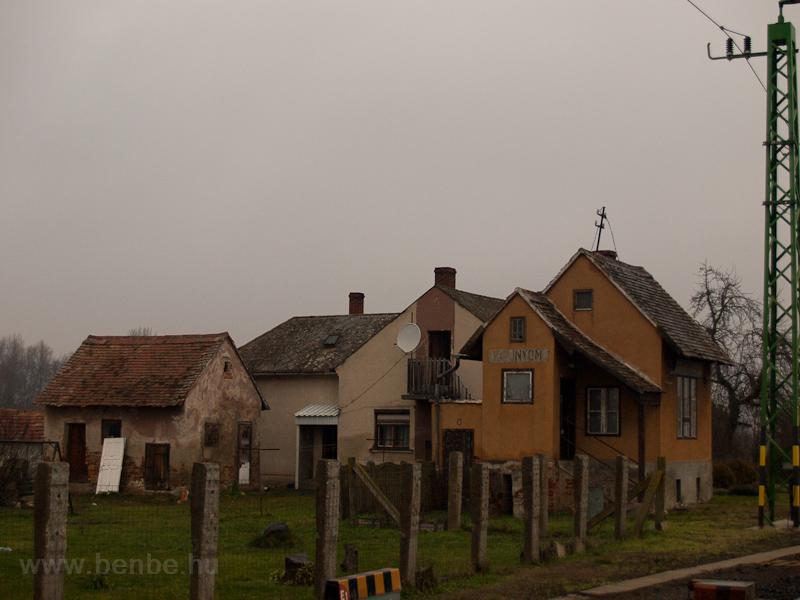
(580, 491)
(661, 465)
(621, 498)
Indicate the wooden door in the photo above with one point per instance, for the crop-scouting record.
(156, 466)
(76, 452)
(110, 473)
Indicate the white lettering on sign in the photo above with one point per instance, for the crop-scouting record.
(522, 355)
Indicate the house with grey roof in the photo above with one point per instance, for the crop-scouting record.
(602, 362)
(340, 387)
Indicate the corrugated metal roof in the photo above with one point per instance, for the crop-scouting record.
(318, 414)
(319, 410)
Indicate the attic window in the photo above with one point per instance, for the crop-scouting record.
(331, 340)
(227, 370)
(517, 329)
(583, 300)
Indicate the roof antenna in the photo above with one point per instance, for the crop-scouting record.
(600, 226)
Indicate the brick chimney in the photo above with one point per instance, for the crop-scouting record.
(445, 277)
(607, 253)
(356, 303)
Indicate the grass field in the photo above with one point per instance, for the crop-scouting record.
(127, 543)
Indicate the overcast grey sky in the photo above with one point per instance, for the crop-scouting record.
(198, 167)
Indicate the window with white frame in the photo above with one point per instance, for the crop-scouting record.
(687, 407)
(392, 429)
(602, 411)
(518, 387)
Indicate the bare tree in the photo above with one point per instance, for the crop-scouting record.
(141, 332)
(734, 320)
(25, 370)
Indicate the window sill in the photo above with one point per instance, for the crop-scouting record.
(392, 450)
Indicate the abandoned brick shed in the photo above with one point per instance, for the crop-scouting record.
(176, 400)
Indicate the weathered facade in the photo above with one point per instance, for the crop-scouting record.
(175, 399)
(603, 362)
(339, 386)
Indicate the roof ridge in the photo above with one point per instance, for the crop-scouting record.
(466, 292)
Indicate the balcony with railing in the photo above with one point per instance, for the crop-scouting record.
(426, 377)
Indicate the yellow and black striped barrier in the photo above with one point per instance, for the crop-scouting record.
(383, 584)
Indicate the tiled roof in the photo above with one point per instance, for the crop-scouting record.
(685, 335)
(132, 371)
(22, 424)
(483, 307)
(574, 339)
(298, 345)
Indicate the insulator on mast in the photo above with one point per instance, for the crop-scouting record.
(729, 47)
(747, 44)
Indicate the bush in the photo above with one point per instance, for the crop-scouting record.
(743, 490)
(744, 472)
(723, 475)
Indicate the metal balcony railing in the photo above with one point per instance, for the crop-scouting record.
(425, 374)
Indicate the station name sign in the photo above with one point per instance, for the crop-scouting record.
(522, 355)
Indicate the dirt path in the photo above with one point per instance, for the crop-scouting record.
(559, 579)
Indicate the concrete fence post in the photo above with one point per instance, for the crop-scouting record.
(51, 497)
(621, 498)
(580, 489)
(479, 509)
(410, 498)
(204, 522)
(455, 490)
(544, 494)
(327, 505)
(531, 490)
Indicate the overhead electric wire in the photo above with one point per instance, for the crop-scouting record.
(727, 31)
(613, 241)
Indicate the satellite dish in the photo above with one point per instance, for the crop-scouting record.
(408, 338)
